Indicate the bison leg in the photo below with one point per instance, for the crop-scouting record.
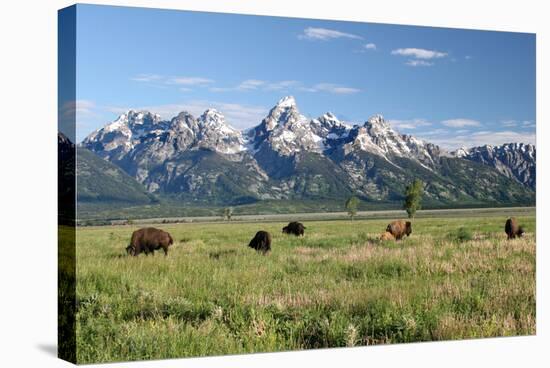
(165, 251)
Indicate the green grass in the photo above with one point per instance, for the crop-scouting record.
(337, 286)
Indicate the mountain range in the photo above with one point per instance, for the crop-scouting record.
(288, 156)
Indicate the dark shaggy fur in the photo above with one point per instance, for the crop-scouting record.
(296, 228)
(513, 229)
(399, 229)
(261, 242)
(149, 239)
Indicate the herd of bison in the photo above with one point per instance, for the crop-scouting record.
(149, 239)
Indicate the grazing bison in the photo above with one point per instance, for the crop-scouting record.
(147, 240)
(513, 229)
(399, 229)
(261, 242)
(387, 236)
(296, 228)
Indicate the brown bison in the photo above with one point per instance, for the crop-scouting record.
(399, 229)
(261, 242)
(149, 239)
(513, 229)
(296, 228)
(387, 236)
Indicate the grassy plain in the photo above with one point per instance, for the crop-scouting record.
(337, 286)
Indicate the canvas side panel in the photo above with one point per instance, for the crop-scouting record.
(66, 151)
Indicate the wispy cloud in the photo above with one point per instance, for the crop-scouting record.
(239, 116)
(414, 62)
(282, 85)
(408, 124)
(419, 53)
(184, 82)
(331, 88)
(325, 34)
(461, 123)
(257, 84)
(370, 46)
(509, 123)
(484, 137)
(419, 57)
(189, 81)
(286, 85)
(251, 84)
(147, 78)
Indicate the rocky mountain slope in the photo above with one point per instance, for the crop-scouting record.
(290, 156)
(513, 160)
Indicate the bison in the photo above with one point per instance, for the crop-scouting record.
(296, 228)
(399, 229)
(149, 239)
(387, 236)
(513, 229)
(261, 242)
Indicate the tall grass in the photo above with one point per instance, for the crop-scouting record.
(337, 286)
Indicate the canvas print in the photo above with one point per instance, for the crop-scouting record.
(236, 184)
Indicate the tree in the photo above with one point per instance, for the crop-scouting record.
(351, 206)
(227, 213)
(413, 197)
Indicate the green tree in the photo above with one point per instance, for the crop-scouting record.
(413, 197)
(227, 213)
(351, 206)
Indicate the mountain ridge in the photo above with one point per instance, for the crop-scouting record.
(290, 156)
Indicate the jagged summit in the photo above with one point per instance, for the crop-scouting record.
(287, 101)
(288, 155)
(513, 160)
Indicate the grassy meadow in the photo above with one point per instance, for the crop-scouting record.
(337, 286)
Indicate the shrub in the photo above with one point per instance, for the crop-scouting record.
(461, 235)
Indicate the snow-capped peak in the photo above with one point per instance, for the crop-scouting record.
(461, 152)
(212, 117)
(377, 123)
(287, 101)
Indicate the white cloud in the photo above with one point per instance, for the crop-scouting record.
(419, 53)
(408, 124)
(331, 88)
(256, 84)
(325, 34)
(468, 57)
(147, 78)
(414, 62)
(250, 84)
(239, 116)
(508, 123)
(286, 84)
(494, 138)
(261, 85)
(189, 81)
(160, 81)
(460, 123)
(528, 124)
(370, 46)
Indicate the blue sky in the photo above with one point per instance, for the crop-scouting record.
(451, 87)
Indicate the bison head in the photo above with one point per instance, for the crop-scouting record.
(285, 230)
(521, 231)
(130, 250)
(408, 228)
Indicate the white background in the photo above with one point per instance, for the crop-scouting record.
(28, 129)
